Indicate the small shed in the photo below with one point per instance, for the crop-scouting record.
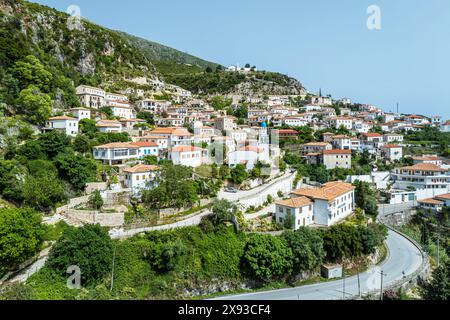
(331, 271)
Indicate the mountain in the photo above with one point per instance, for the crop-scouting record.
(160, 53)
(48, 53)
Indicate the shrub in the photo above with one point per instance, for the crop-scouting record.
(267, 257)
(88, 247)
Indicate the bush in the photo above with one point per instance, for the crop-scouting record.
(165, 257)
(307, 248)
(88, 247)
(267, 257)
(21, 233)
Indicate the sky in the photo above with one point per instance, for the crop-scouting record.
(323, 43)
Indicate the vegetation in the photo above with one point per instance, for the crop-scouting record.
(267, 257)
(89, 248)
(21, 235)
(438, 287)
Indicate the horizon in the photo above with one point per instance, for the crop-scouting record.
(385, 67)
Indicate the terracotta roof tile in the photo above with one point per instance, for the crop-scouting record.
(329, 191)
(295, 202)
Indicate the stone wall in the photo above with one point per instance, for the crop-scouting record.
(94, 217)
(95, 186)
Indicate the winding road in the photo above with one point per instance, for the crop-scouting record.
(404, 259)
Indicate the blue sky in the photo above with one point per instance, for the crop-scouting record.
(323, 43)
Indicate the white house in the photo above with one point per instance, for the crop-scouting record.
(333, 202)
(248, 156)
(337, 159)
(162, 142)
(392, 152)
(81, 113)
(123, 111)
(65, 124)
(188, 156)
(341, 142)
(316, 147)
(141, 177)
(91, 97)
(116, 153)
(433, 159)
(295, 121)
(393, 138)
(300, 209)
(345, 122)
(147, 149)
(445, 127)
(426, 179)
(108, 126)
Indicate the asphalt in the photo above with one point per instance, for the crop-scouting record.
(404, 259)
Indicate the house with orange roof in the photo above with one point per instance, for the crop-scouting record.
(433, 159)
(147, 149)
(316, 147)
(177, 136)
(392, 152)
(331, 203)
(426, 179)
(108, 126)
(188, 156)
(65, 124)
(141, 177)
(300, 209)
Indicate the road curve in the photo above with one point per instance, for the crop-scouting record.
(403, 260)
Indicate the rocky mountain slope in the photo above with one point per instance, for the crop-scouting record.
(80, 52)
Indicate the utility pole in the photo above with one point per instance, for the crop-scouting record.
(381, 288)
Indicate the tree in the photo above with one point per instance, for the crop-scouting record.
(239, 174)
(21, 233)
(151, 160)
(35, 105)
(96, 200)
(76, 169)
(438, 288)
(82, 144)
(267, 256)
(43, 191)
(166, 256)
(372, 237)
(307, 248)
(12, 174)
(342, 241)
(53, 142)
(365, 198)
(31, 150)
(220, 103)
(223, 211)
(88, 127)
(30, 71)
(175, 188)
(89, 247)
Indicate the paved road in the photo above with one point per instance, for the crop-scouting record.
(253, 192)
(403, 257)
